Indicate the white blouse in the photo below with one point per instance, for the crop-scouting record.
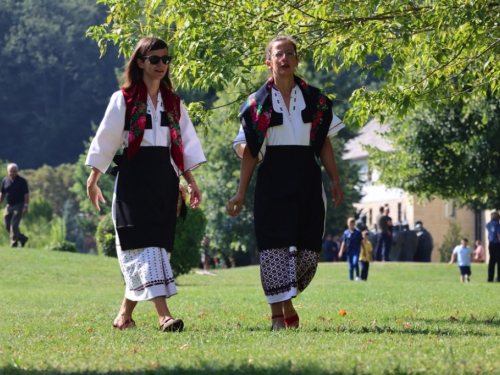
(111, 135)
(293, 131)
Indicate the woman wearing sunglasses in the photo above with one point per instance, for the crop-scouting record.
(147, 118)
(287, 124)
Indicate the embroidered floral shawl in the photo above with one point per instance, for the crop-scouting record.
(257, 115)
(136, 102)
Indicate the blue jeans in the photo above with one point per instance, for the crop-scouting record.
(352, 259)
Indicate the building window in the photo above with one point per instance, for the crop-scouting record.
(400, 212)
(450, 210)
(370, 217)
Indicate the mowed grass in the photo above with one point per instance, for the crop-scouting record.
(56, 312)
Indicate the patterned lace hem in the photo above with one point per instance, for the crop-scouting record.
(153, 283)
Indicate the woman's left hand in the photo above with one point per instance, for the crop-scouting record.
(194, 195)
(336, 193)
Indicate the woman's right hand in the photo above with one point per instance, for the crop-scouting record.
(93, 191)
(95, 195)
(234, 205)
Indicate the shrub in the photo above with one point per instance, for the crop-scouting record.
(105, 237)
(188, 235)
(63, 246)
(451, 239)
(39, 209)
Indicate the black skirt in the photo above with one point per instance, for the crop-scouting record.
(289, 206)
(147, 191)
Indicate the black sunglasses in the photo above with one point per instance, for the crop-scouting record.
(153, 59)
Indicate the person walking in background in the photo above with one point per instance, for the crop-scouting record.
(287, 124)
(352, 243)
(15, 191)
(365, 257)
(479, 252)
(205, 256)
(384, 235)
(494, 246)
(338, 240)
(378, 217)
(160, 143)
(331, 249)
(464, 256)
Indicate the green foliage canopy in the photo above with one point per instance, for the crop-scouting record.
(449, 152)
(441, 49)
(53, 82)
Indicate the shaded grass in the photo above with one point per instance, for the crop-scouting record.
(56, 313)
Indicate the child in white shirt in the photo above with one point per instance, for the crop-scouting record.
(464, 255)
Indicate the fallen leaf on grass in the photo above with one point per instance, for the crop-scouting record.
(406, 325)
(268, 317)
(298, 307)
(135, 350)
(237, 325)
(342, 312)
(472, 317)
(490, 320)
(183, 347)
(373, 321)
(242, 317)
(155, 365)
(321, 318)
(90, 329)
(399, 320)
(458, 312)
(353, 320)
(453, 319)
(329, 319)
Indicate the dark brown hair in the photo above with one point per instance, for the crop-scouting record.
(280, 38)
(133, 73)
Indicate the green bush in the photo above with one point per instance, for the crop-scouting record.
(451, 239)
(39, 209)
(105, 237)
(63, 246)
(188, 235)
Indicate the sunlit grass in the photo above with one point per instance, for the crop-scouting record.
(56, 312)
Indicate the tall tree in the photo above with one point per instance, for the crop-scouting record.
(441, 49)
(54, 83)
(449, 152)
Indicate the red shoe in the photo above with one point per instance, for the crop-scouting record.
(128, 324)
(290, 322)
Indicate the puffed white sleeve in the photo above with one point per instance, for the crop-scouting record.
(240, 142)
(193, 153)
(335, 126)
(109, 134)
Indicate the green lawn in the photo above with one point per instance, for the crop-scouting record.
(56, 312)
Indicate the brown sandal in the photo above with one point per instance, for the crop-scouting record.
(172, 325)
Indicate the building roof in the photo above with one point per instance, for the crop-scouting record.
(369, 135)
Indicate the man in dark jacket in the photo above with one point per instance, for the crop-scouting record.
(15, 189)
(384, 235)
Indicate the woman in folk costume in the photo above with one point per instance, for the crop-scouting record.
(148, 119)
(287, 124)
